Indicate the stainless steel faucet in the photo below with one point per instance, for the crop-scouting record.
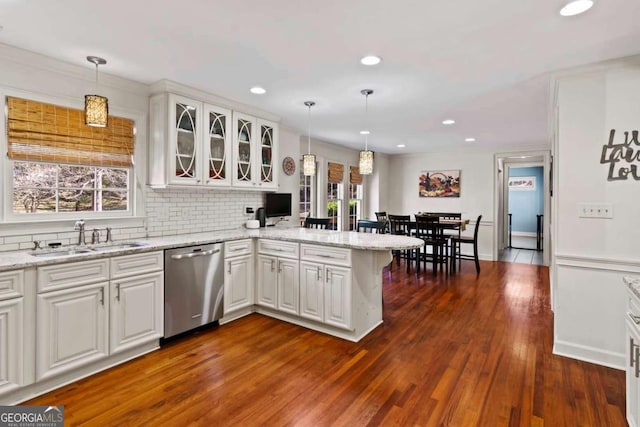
(95, 236)
(109, 238)
(79, 226)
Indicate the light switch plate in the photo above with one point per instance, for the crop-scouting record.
(595, 210)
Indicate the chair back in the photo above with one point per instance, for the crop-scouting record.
(427, 227)
(381, 216)
(400, 224)
(366, 226)
(444, 215)
(475, 230)
(318, 223)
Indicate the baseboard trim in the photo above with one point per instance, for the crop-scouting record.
(590, 354)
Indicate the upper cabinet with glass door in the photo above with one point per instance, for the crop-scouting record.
(254, 151)
(190, 143)
(194, 143)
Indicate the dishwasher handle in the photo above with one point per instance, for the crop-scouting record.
(195, 254)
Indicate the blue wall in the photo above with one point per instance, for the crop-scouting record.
(525, 205)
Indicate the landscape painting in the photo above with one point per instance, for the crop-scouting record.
(440, 183)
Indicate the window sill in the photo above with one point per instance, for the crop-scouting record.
(35, 226)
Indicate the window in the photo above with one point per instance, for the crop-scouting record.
(355, 197)
(60, 165)
(52, 188)
(306, 195)
(334, 195)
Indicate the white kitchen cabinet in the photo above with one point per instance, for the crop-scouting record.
(278, 275)
(255, 148)
(136, 311)
(72, 328)
(12, 334)
(238, 275)
(325, 293)
(190, 142)
(633, 372)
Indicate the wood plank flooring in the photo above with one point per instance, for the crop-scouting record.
(462, 350)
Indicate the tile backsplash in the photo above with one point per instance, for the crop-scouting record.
(183, 211)
(168, 211)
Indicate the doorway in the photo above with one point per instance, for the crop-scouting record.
(522, 208)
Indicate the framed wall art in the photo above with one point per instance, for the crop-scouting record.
(439, 183)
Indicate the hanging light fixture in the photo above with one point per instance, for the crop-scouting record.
(96, 107)
(309, 160)
(366, 156)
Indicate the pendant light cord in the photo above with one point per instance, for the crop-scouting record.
(366, 120)
(309, 133)
(96, 77)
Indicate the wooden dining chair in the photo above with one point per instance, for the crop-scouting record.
(456, 248)
(382, 216)
(428, 229)
(401, 225)
(318, 223)
(367, 226)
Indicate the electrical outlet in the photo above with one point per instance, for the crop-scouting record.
(247, 210)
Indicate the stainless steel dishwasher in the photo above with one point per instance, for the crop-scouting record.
(193, 287)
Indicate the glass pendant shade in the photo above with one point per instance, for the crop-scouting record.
(366, 162)
(309, 164)
(96, 110)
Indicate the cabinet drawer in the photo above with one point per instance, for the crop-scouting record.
(278, 248)
(61, 276)
(11, 284)
(238, 247)
(128, 265)
(326, 254)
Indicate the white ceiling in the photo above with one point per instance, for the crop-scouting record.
(485, 64)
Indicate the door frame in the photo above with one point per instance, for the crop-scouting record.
(502, 163)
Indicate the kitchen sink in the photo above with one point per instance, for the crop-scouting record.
(63, 252)
(87, 250)
(117, 246)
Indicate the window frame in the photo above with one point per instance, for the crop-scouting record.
(135, 192)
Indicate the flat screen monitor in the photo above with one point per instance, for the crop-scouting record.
(277, 204)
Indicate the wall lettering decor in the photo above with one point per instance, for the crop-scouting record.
(623, 158)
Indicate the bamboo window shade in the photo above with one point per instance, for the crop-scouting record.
(44, 132)
(336, 172)
(354, 175)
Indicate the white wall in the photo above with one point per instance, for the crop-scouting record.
(592, 255)
(476, 189)
(377, 187)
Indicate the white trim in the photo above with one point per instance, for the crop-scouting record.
(66, 225)
(597, 263)
(590, 354)
(523, 234)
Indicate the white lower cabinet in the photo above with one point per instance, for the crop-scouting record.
(72, 328)
(11, 344)
(633, 373)
(238, 275)
(278, 276)
(136, 311)
(325, 293)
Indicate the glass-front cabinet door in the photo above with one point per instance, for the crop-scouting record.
(244, 128)
(217, 146)
(268, 154)
(184, 137)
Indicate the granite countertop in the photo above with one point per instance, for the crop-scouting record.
(342, 239)
(633, 283)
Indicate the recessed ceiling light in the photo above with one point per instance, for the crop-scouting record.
(448, 122)
(258, 90)
(364, 132)
(370, 60)
(470, 139)
(400, 145)
(576, 7)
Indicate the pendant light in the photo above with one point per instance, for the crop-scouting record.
(366, 157)
(96, 107)
(309, 160)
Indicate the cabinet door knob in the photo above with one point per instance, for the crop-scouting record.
(118, 292)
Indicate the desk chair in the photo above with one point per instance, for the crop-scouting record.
(318, 223)
(456, 249)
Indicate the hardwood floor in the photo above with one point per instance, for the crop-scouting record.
(462, 350)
